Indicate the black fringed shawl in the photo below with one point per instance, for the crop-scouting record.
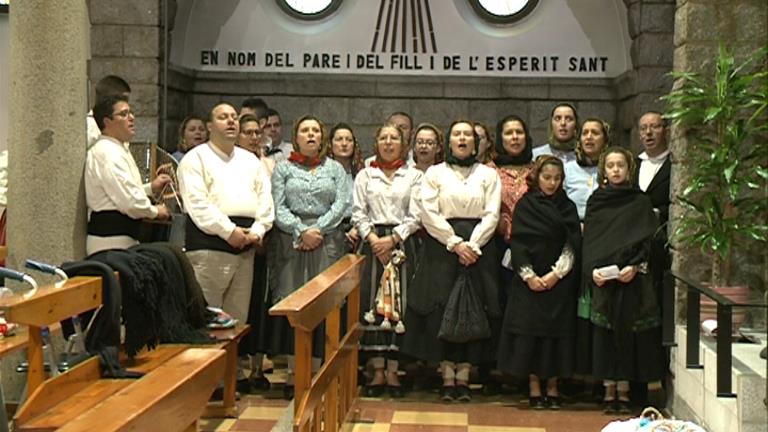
(618, 228)
(541, 227)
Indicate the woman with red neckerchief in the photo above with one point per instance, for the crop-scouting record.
(311, 195)
(385, 215)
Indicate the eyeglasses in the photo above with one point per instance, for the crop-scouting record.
(254, 132)
(427, 142)
(654, 127)
(124, 113)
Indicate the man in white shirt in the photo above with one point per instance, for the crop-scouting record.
(279, 150)
(227, 196)
(654, 164)
(653, 173)
(116, 198)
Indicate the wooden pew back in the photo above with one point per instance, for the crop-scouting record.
(327, 397)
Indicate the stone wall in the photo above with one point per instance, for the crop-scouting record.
(651, 27)
(700, 26)
(365, 101)
(125, 41)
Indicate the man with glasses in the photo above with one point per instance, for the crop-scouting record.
(116, 198)
(653, 172)
(654, 164)
(110, 85)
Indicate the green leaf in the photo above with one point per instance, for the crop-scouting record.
(728, 173)
(762, 172)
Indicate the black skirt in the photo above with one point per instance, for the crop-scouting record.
(378, 341)
(584, 334)
(545, 357)
(432, 283)
(637, 357)
(257, 340)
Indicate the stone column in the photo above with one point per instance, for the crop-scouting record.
(46, 205)
(46, 202)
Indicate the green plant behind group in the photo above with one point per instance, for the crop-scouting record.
(724, 118)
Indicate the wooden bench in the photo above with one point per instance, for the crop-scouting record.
(152, 404)
(170, 397)
(325, 399)
(226, 340)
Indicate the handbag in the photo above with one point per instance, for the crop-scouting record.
(651, 420)
(464, 318)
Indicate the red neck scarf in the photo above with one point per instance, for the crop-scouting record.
(395, 164)
(309, 162)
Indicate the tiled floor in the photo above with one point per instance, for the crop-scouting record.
(420, 411)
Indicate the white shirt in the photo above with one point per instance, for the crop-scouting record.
(649, 166)
(215, 186)
(113, 182)
(92, 131)
(546, 149)
(408, 160)
(449, 191)
(379, 200)
(285, 150)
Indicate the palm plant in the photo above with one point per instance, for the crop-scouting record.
(724, 118)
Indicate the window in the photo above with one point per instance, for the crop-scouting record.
(309, 9)
(503, 11)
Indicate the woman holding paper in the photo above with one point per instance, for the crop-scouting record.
(624, 309)
(538, 339)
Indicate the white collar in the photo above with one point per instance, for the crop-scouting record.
(125, 145)
(660, 158)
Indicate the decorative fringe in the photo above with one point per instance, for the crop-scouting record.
(400, 328)
(369, 317)
(388, 301)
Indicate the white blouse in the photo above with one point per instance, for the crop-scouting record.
(450, 191)
(379, 200)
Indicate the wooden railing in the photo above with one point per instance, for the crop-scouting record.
(323, 401)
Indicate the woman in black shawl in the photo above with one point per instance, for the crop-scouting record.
(538, 334)
(618, 228)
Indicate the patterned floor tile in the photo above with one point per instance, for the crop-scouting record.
(249, 425)
(216, 425)
(370, 413)
(262, 413)
(425, 428)
(429, 418)
(473, 428)
(371, 427)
